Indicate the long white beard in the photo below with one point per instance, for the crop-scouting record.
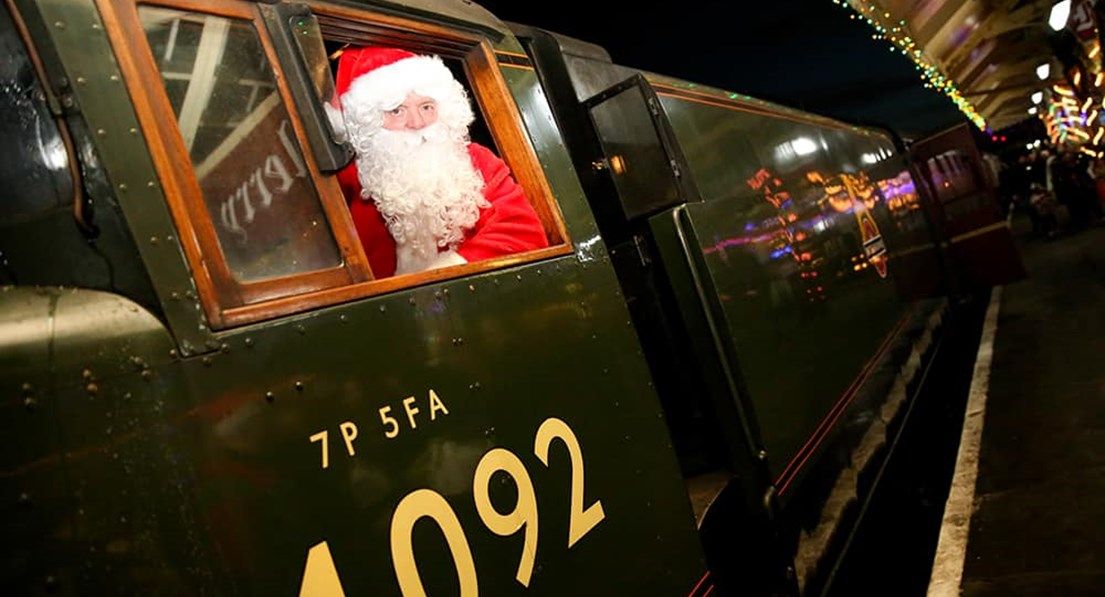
(425, 187)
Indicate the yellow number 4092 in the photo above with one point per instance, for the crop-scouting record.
(320, 577)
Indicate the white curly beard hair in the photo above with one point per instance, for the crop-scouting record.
(424, 184)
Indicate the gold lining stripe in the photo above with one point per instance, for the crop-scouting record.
(979, 231)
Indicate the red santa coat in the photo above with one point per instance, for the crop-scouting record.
(508, 226)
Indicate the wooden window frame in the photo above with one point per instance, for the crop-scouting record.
(228, 302)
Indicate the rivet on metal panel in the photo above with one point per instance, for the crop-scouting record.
(51, 583)
(153, 240)
(92, 389)
(270, 397)
(30, 403)
(86, 374)
(437, 294)
(212, 344)
(299, 328)
(762, 455)
(147, 375)
(299, 386)
(169, 238)
(207, 361)
(59, 24)
(383, 308)
(102, 133)
(151, 184)
(27, 389)
(225, 348)
(133, 131)
(174, 295)
(95, 25)
(343, 318)
(471, 287)
(172, 353)
(411, 300)
(82, 81)
(249, 342)
(114, 77)
(538, 272)
(24, 499)
(445, 292)
(519, 276)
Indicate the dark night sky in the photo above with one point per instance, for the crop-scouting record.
(802, 53)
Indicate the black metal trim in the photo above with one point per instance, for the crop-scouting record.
(330, 155)
(684, 182)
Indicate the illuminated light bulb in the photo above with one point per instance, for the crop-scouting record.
(1037, 97)
(1060, 12)
(1043, 71)
(1032, 110)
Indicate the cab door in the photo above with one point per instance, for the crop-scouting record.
(963, 204)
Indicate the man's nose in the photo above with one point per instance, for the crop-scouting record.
(415, 120)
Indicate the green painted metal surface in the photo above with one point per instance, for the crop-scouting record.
(779, 238)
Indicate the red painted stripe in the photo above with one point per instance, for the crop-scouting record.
(829, 420)
(699, 583)
(708, 591)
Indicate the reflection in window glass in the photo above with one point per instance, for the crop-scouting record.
(244, 151)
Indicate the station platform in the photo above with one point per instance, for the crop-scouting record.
(1033, 521)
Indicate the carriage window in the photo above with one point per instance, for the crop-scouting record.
(248, 163)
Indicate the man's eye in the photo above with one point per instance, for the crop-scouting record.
(395, 111)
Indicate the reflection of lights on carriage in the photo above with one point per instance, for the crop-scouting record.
(900, 193)
(617, 164)
(795, 148)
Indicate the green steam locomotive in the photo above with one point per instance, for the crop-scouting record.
(208, 391)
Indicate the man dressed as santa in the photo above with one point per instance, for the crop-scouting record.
(423, 196)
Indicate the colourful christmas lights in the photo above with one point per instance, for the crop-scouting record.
(898, 35)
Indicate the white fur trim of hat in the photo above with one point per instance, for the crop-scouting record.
(386, 87)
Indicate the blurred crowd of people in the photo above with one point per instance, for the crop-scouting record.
(1047, 182)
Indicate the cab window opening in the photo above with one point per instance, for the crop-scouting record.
(271, 235)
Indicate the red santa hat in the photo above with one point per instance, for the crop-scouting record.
(373, 79)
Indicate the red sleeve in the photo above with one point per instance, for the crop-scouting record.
(377, 242)
(510, 225)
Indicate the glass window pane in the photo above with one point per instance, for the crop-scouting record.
(244, 151)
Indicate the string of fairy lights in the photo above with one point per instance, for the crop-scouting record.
(897, 33)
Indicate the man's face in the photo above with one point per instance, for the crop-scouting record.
(416, 112)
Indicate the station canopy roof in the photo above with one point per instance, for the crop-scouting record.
(985, 54)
